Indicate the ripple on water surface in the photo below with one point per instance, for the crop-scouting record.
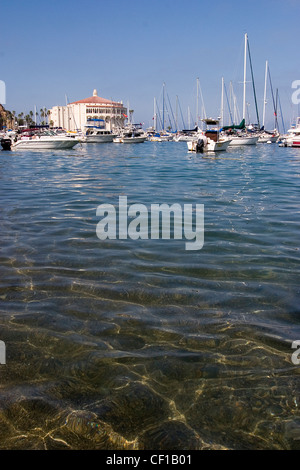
(125, 344)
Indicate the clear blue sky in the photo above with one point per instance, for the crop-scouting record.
(128, 49)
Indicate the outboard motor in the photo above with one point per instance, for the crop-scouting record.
(6, 144)
(200, 146)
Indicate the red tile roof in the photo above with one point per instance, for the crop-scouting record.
(96, 100)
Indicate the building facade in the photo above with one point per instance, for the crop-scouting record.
(74, 116)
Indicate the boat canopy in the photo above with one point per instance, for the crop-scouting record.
(211, 122)
(190, 130)
(233, 126)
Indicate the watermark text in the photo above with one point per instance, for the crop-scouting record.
(296, 93)
(2, 92)
(161, 221)
(296, 354)
(2, 353)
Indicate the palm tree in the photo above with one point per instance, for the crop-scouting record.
(29, 119)
(20, 119)
(43, 114)
(8, 119)
(14, 118)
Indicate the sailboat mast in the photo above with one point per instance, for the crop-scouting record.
(274, 105)
(222, 103)
(163, 107)
(67, 113)
(265, 95)
(197, 110)
(202, 101)
(253, 86)
(176, 113)
(245, 72)
(276, 118)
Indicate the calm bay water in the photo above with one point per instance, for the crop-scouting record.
(123, 344)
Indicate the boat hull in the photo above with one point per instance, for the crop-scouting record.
(99, 139)
(263, 140)
(133, 140)
(44, 144)
(293, 142)
(211, 146)
(239, 141)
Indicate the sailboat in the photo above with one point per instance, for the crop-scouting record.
(268, 136)
(238, 134)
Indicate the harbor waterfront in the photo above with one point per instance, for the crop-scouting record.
(139, 343)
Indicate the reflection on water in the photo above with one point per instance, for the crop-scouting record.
(124, 344)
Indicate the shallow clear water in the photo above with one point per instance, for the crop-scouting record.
(140, 344)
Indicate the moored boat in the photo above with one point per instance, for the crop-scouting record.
(31, 140)
(293, 136)
(266, 136)
(244, 139)
(209, 140)
(96, 132)
(6, 143)
(131, 134)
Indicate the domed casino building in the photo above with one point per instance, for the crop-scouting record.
(74, 116)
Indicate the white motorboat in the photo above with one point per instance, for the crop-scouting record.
(96, 132)
(43, 140)
(161, 137)
(155, 138)
(293, 136)
(133, 139)
(76, 135)
(209, 140)
(131, 134)
(118, 139)
(205, 144)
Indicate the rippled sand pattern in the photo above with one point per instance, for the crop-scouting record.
(125, 344)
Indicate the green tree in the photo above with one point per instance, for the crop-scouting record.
(20, 119)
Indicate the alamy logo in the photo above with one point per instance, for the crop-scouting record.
(2, 353)
(156, 223)
(296, 94)
(296, 354)
(2, 92)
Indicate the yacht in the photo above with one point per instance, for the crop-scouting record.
(31, 140)
(292, 138)
(131, 134)
(96, 132)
